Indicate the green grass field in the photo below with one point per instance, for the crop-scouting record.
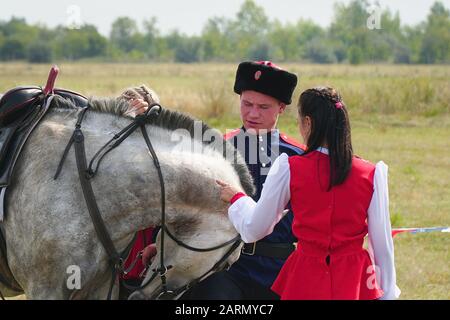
(399, 114)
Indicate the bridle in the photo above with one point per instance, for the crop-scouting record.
(87, 172)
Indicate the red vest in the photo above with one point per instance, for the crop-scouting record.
(330, 262)
(340, 213)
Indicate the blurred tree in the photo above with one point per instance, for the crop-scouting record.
(285, 39)
(413, 40)
(13, 49)
(355, 55)
(2, 39)
(150, 43)
(349, 27)
(307, 33)
(260, 51)
(250, 27)
(435, 46)
(319, 51)
(383, 43)
(73, 44)
(214, 36)
(18, 35)
(186, 49)
(351, 37)
(96, 42)
(251, 19)
(124, 33)
(17, 27)
(39, 52)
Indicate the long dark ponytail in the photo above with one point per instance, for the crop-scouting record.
(329, 125)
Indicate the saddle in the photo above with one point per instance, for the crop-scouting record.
(21, 110)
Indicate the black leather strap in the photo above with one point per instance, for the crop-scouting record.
(91, 202)
(267, 249)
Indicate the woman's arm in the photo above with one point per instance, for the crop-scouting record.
(380, 236)
(253, 220)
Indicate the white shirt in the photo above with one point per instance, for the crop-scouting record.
(255, 220)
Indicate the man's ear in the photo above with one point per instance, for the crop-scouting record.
(282, 107)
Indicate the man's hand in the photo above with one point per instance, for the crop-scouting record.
(226, 191)
(148, 254)
(137, 107)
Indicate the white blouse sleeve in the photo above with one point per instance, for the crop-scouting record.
(381, 246)
(254, 220)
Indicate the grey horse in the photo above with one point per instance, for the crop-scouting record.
(49, 234)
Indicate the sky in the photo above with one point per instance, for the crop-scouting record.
(188, 16)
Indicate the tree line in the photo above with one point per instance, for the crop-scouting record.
(355, 35)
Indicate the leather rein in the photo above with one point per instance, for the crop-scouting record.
(87, 172)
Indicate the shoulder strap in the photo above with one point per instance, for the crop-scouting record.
(229, 135)
(292, 141)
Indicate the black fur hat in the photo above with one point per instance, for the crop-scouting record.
(267, 78)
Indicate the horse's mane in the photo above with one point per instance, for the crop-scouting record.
(171, 120)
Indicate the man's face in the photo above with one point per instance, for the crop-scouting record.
(260, 111)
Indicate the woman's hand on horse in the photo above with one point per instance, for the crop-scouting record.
(137, 107)
(148, 254)
(226, 191)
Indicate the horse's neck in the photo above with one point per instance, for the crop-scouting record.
(125, 187)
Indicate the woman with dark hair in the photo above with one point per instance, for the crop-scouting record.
(337, 199)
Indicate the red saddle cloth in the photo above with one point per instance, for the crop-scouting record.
(143, 238)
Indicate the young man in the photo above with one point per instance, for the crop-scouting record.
(265, 90)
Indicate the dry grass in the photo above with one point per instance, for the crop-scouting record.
(206, 89)
(400, 114)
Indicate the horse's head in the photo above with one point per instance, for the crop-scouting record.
(185, 264)
(199, 239)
